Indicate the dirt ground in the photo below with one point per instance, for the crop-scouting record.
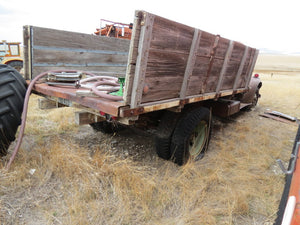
(67, 174)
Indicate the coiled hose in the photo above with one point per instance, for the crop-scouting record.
(99, 80)
(97, 88)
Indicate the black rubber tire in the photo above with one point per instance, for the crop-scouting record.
(164, 133)
(12, 94)
(17, 65)
(107, 127)
(184, 130)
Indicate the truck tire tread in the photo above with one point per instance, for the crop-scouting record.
(164, 134)
(12, 94)
(179, 147)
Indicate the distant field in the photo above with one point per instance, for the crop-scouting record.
(278, 63)
(65, 174)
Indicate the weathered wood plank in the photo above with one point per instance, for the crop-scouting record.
(237, 52)
(162, 63)
(45, 103)
(171, 36)
(113, 71)
(211, 82)
(229, 77)
(82, 118)
(195, 83)
(239, 73)
(198, 76)
(159, 95)
(61, 56)
(60, 38)
(163, 70)
(243, 78)
(222, 48)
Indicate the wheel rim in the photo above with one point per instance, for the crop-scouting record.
(198, 139)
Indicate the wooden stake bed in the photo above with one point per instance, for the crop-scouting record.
(165, 63)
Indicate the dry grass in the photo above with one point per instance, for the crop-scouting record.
(80, 178)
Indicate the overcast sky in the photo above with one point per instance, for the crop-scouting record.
(264, 24)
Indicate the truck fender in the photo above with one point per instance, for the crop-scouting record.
(253, 91)
(15, 63)
(6, 61)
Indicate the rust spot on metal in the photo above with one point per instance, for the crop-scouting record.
(217, 96)
(183, 102)
(127, 112)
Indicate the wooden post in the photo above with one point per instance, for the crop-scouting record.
(142, 59)
(27, 35)
(82, 118)
(132, 56)
(191, 62)
(224, 67)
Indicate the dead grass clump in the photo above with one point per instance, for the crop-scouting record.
(50, 121)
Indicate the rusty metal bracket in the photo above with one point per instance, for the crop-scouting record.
(294, 158)
(234, 92)
(143, 18)
(217, 96)
(183, 102)
(128, 112)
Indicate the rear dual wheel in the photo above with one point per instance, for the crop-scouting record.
(164, 134)
(189, 139)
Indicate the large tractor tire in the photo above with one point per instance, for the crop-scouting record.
(12, 94)
(191, 136)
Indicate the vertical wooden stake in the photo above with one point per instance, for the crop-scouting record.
(190, 62)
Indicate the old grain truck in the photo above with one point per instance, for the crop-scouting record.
(170, 74)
